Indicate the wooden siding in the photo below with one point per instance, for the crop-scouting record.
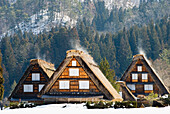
(28, 80)
(74, 80)
(139, 83)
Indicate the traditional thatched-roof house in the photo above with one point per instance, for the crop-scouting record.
(77, 79)
(141, 78)
(33, 80)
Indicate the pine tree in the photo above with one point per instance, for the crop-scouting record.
(109, 73)
(146, 46)
(1, 80)
(124, 53)
(133, 41)
(154, 40)
(9, 59)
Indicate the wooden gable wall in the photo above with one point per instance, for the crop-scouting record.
(28, 81)
(74, 80)
(139, 83)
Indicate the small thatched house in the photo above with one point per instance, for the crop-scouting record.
(35, 77)
(141, 79)
(77, 79)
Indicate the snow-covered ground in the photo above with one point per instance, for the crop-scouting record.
(81, 109)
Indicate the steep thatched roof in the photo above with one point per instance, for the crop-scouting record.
(154, 75)
(93, 71)
(47, 69)
(126, 93)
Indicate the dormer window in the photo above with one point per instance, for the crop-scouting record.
(139, 68)
(74, 63)
(35, 76)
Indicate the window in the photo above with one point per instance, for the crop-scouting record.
(74, 63)
(134, 76)
(131, 86)
(83, 84)
(73, 72)
(35, 76)
(139, 68)
(64, 84)
(40, 87)
(148, 87)
(144, 76)
(28, 88)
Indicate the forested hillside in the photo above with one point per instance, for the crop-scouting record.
(118, 48)
(103, 15)
(111, 29)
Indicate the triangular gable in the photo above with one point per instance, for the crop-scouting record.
(26, 76)
(92, 71)
(154, 75)
(74, 80)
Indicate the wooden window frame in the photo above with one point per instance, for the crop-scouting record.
(28, 90)
(134, 77)
(131, 87)
(144, 77)
(66, 84)
(148, 89)
(82, 83)
(71, 70)
(35, 76)
(139, 68)
(74, 63)
(39, 87)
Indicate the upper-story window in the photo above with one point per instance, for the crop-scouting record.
(74, 63)
(83, 84)
(64, 84)
(40, 86)
(28, 88)
(35, 76)
(134, 77)
(144, 77)
(139, 68)
(73, 72)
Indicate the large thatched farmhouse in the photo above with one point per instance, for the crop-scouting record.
(35, 77)
(141, 79)
(77, 79)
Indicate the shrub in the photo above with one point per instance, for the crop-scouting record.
(125, 104)
(99, 104)
(166, 101)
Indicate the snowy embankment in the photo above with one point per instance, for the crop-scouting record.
(81, 109)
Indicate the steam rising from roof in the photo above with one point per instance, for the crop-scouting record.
(78, 50)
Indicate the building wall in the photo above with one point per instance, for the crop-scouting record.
(28, 81)
(74, 80)
(139, 82)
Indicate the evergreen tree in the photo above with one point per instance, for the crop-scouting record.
(9, 59)
(133, 41)
(109, 73)
(155, 43)
(1, 80)
(124, 53)
(146, 46)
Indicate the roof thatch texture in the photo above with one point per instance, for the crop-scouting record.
(47, 67)
(86, 60)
